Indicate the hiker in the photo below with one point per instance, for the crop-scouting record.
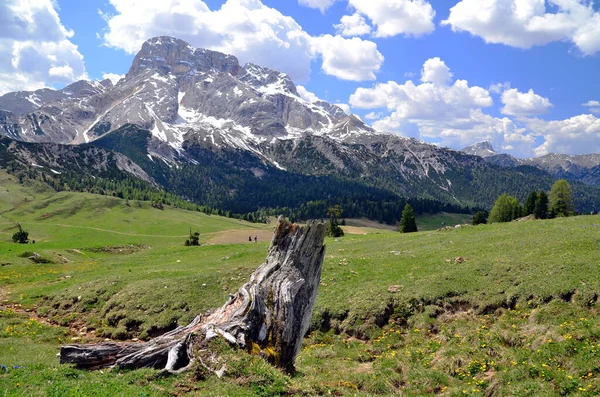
(250, 238)
(255, 238)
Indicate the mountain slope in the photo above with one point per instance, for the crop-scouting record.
(584, 168)
(241, 138)
(481, 149)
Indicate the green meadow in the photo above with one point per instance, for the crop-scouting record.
(493, 310)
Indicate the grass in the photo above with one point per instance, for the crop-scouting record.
(425, 222)
(436, 221)
(518, 316)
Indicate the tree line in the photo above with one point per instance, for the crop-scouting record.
(558, 203)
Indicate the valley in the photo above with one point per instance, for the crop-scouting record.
(517, 314)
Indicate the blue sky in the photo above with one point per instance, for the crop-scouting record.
(523, 74)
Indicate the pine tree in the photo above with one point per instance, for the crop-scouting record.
(530, 203)
(561, 200)
(21, 237)
(541, 206)
(408, 223)
(333, 227)
(194, 239)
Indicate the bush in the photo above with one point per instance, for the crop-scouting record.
(333, 229)
(194, 240)
(480, 218)
(21, 237)
(506, 209)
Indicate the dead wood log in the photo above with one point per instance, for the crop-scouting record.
(269, 315)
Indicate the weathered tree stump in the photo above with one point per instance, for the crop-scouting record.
(269, 315)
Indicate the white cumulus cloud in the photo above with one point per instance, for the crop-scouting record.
(528, 23)
(593, 106)
(348, 59)
(449, 112)
(353, 25)
(113, 77)
(498, 88)
(452, 113)
(523, 104)
(245, 28)
(35, 48)
(435, 71)
(394, 17)
(320, 4)
(305, 94)
(576, 135)
(435, 98)
(345, 107)
(374, 115)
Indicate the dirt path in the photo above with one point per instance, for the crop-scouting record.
(354, 230)
(107, 231)
(240, 236)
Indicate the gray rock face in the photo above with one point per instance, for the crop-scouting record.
(481, 149)
(184, 94)
(86, 160)
(175, 91)
(23, 102)
(168, 55)
(584, 168)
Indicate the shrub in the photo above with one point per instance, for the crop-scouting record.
(21, 237)
(480, 218)
(194, 240)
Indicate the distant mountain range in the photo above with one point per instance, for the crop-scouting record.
(584, 168)
(201, 125)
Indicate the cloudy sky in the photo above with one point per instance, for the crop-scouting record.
(523, 74)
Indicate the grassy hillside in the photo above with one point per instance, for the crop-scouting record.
(424, 222)
(502, 310)
(436, 221)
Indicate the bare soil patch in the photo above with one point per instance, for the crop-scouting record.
(364, 222)
(241, 236)
(354, 230)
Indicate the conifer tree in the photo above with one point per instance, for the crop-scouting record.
(541, 206)
(21, 237)
(194, 239)
(333, 227)
(408, 223)
(561, 200)
(530, 203)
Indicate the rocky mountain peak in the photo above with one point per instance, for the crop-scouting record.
(23, 102)
(169, 55)
(86, 88)
(482, 149)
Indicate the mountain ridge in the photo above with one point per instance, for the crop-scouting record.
(582, 167)
(182, 111)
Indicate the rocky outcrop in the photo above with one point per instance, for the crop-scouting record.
(481, 149)
(173, 90)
